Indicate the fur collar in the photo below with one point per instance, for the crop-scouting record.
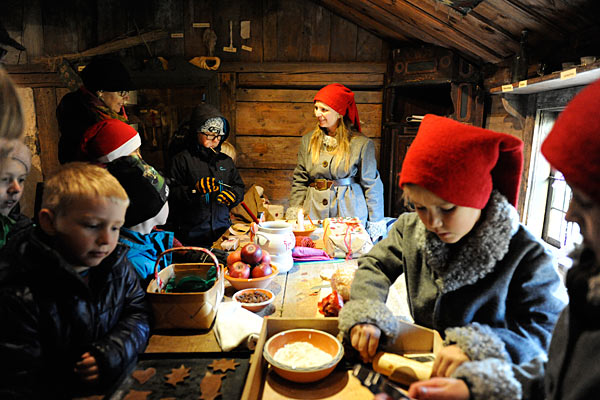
(478, 252)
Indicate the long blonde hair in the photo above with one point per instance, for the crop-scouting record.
(343, 135)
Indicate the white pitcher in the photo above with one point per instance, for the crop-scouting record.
(278, 239)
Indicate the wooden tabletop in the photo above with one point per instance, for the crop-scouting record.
(296, 295)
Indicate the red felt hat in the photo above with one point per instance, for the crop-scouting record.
(573, 144)
(462, 163)
(108, 140)
(341, 99)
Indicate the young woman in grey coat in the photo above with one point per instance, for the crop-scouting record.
(571, 370)
(336, 174)
(472, 271)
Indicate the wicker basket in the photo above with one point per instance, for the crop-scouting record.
(195, 310)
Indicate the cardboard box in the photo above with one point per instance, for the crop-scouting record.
(263, 384)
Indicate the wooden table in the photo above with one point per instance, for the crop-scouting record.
(296, 295)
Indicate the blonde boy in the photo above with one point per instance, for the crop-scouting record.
(74, 316)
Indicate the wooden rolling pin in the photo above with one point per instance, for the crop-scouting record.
(401, 369)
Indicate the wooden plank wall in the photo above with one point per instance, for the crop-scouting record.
(297, 47)
(273, 109)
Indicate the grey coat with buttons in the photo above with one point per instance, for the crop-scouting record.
(363, 199)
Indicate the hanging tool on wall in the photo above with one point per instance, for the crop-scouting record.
(230, 48)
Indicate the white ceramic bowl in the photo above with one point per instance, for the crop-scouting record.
(322, 340)
(254, 306)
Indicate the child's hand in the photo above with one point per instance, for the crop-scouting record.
(365, 339)
(208, 184)
(439, 389)
(87, 369)
(447, 360)
(226, 197)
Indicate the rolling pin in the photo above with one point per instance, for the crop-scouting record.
(401, 369)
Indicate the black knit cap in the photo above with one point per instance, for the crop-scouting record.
(106, 74)
(146, 188)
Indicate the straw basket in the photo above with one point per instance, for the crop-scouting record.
(184, 310)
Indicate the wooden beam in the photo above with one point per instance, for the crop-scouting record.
(415, 18)
(365, 21)
(309, 80)
(300, 96)
(302, 67)
(110, 47)
(472, 25)
(45, 109)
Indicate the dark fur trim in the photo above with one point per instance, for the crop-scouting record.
(369, 312)
(477, 341)
(490, 379)
(479, 251)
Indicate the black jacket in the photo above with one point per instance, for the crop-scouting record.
(196, 219)
(74, 115)
(50, 317)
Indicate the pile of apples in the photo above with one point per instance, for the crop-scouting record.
(249, 261)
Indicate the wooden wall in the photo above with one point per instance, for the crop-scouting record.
(297, 47)
(273, 109)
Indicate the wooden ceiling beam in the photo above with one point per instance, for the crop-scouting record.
(364, 21)
(474, 26)
(419, 19)
(389, 19)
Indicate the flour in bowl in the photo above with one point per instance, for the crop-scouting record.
(301, 355)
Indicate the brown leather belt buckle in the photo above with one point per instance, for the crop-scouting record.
(322, 184)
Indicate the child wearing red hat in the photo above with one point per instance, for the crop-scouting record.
(570, 371)
(336, 174)
(472, 271)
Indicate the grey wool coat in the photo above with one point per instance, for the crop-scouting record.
(572, 370)
(492, 295)
(363, 199)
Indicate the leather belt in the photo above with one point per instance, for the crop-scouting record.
(324, 184)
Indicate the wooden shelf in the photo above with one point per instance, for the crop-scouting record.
(576, 76)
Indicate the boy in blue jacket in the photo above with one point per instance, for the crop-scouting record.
(73, 313)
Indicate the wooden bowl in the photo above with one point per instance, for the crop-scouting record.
(322, 340)
(262, 282)
(254, 307)
(308, 229)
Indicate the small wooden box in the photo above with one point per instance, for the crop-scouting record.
(263, 384)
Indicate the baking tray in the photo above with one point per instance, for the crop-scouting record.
(231, 385)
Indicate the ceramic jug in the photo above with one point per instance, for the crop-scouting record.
(278, 239)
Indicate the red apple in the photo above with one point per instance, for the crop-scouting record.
(266, 258)
(251, 253)
(234, 256)
(262, 269)
(239, 269)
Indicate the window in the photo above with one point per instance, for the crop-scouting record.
(548, 196)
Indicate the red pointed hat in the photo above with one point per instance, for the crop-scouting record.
(341, 99)
(108, 140)
(462, 163)
(573, 144)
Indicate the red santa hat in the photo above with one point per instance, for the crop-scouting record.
(341, 99)
(462, 163)
(574, 136)
(108, 140)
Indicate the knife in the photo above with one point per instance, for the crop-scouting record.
(377, 383)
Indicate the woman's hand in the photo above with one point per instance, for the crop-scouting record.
(87, 369)
(439, 389)
(447, 360)
(365, 339)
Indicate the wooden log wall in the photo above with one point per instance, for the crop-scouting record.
(274, 109)
(292, 47)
